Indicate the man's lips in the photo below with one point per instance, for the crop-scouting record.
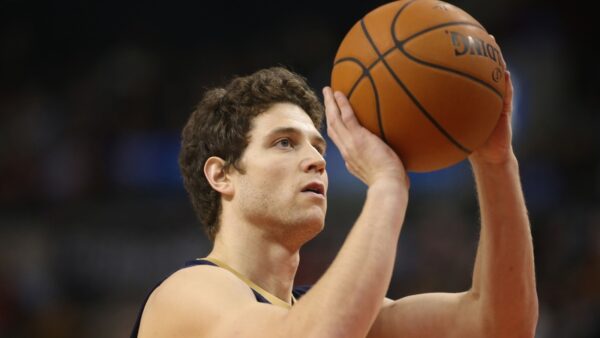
(315, 187)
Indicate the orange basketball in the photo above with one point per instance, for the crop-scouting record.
(426, 77)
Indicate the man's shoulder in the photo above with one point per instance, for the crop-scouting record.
(191, 299)
(199, 286)
(199, 277)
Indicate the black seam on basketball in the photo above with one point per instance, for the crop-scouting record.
(410, 95)
(368, 69)
(364, 72)
(382, 56)
(379, 121)
(400, 47)
(450, 70)
(396, 19)
(446, 24)
(368, 75)
(371, 42)
(425, 112)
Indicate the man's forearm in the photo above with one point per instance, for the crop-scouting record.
(350, 293)
(504, 276)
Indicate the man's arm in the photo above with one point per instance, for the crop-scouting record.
(504, 276)
(204, 302)
(502, 301)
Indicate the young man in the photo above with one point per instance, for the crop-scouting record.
(252, 161)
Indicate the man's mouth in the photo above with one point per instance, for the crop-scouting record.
(315, 187)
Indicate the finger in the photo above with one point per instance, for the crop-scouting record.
(335, 123)
(335, 126)
(331, 109)
(330, 106)
(351, 169)
(501, 56)
(333, 136)
(346, 111)
(331, 112)
(508, 95)
(339, 143)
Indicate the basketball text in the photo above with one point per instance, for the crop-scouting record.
(466, 44)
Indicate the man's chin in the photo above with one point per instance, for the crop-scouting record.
(315, 226)
(309, 228)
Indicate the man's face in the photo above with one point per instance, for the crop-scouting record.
(284, 184)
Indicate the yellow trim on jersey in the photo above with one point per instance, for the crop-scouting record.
(268, 296)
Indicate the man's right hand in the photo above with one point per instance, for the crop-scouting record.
(366, 155)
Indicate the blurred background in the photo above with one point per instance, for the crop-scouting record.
(93, 96)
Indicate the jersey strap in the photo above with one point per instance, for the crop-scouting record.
(257, 289)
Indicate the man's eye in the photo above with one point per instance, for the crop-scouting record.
(321, 150)
(284, 143)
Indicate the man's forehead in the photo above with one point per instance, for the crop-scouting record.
(285, 117)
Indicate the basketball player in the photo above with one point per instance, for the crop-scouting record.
(252, 161)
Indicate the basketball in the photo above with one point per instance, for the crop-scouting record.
(424, 76)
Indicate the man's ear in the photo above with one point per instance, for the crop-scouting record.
(216, 174)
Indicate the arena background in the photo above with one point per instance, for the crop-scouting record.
(93, 95)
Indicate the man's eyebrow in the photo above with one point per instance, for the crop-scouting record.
(315, 137)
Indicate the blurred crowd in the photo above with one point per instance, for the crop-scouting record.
(93, 96)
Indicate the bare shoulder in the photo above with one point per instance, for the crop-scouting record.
(192, 301)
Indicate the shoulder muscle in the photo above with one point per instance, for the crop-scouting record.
(192, 301)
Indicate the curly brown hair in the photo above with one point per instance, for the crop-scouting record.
(220, 126)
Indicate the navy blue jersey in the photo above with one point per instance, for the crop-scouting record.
(297, 292)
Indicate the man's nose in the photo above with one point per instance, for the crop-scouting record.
(314, 161)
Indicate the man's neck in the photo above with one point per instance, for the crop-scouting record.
(266, 262)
